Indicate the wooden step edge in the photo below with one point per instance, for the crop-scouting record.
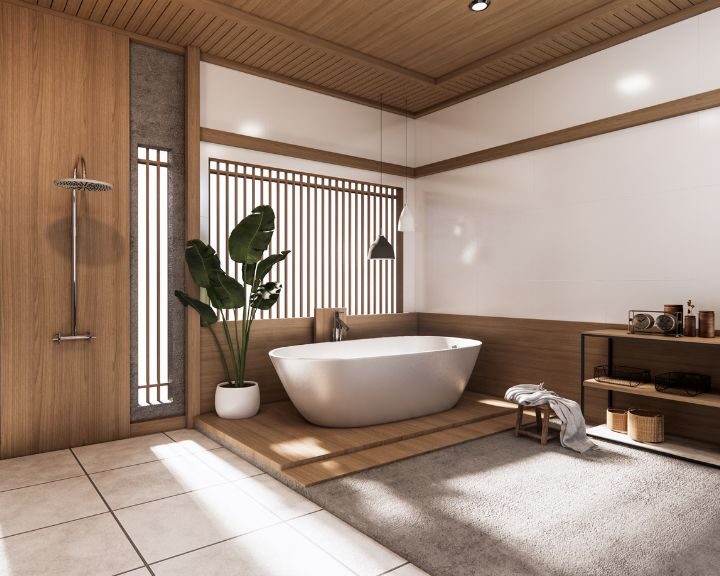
(399, 438)
(344, 465)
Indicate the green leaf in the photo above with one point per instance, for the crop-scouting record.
(224, 291)
(207, 314)
(266, 296)
(264, 266)
(251, 237)
(201, 260)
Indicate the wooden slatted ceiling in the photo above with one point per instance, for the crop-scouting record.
(429, 56)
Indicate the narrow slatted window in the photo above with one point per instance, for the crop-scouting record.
(152, 286)
(328, 223)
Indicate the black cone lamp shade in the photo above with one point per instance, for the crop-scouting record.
(381, 249)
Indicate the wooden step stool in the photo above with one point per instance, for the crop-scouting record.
(543, 413)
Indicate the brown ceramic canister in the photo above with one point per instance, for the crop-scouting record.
(690, 326)
(707, 324)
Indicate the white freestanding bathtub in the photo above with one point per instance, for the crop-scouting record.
(364, 382)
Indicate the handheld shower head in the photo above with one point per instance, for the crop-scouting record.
(82, 182)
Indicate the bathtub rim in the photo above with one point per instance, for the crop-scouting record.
(469, 343)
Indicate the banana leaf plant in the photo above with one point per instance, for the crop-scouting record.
(246, 246)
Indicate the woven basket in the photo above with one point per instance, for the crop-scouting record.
(617, 420)
(646, 426)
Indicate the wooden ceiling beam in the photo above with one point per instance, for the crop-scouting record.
(576, 55)
(225, 11)
(577, 21)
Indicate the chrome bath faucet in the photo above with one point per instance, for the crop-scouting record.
(339, 328)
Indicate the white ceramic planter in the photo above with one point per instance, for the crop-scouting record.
(236, 403)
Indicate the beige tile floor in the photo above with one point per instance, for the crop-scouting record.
(170, 504)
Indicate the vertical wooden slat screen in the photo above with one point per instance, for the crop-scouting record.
(153, 329)
(327, 222)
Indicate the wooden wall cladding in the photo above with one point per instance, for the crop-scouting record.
(518, 351)
(265, 335)
(65, 92)
(270, 334)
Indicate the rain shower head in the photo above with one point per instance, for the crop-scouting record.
(82, 182)
(77, 183)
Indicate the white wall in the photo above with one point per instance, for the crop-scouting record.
(236, 102)
(254, 106)
(676, 61)
(585, 230)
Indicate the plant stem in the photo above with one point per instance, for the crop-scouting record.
(230, 345)
(222, 354)
(242, 347)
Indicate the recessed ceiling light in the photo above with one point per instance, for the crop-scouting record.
(479, 5)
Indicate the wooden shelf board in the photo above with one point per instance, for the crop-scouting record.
(709, 399)
(676, 446)
(615, 333)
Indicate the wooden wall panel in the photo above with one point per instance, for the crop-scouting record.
(518, 351)
(269, 334)
(192, 227)
(266, 335)
(65, 92)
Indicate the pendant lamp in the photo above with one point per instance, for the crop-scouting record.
(381, 249)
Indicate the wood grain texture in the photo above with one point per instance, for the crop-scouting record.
(142, 39)
(192, 227)
(57, 395)
(346, 464)
(280, 438)
(157, 425)
(418, 60)
(324, 323)
(518, 351)
(304, 152)
(687, 105)
(269, 334)
(265, 336)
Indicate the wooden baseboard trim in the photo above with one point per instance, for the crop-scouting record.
(304, 152)
(664, 111)
(157, 425)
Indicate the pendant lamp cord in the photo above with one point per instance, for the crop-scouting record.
(405, 196)
(381, 158)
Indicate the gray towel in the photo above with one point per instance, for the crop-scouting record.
(572, 429)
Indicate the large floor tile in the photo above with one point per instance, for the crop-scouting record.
(277, 497)
(93, 546)
(109, 455)
(227, 464)
(138, 572)
(192, 440)
(408, 570)
(276, 551)
(355, 550)
(38, 468)
(47, 504)
(153, 480)
(182, 523)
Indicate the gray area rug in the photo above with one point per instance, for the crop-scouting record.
(504, 506)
